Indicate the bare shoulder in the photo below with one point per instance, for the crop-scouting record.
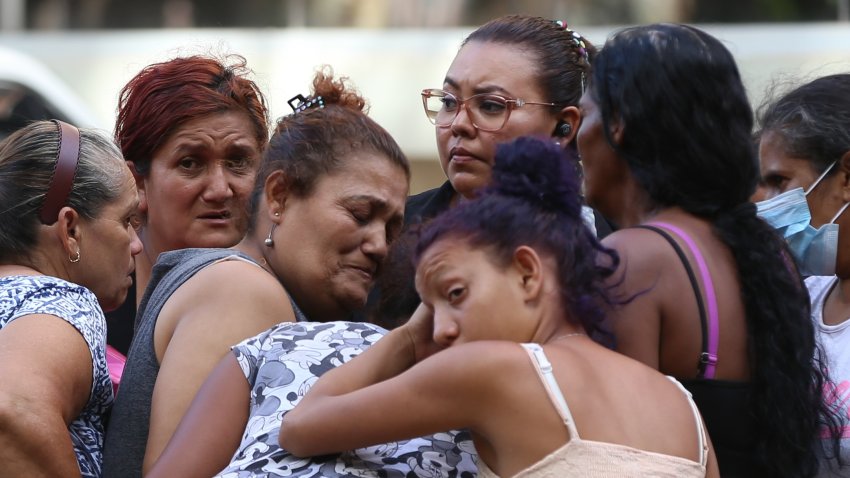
(483, 355)
(481, 366)
(639, 247)
(237, 275)
(235, 282)
(230, 294)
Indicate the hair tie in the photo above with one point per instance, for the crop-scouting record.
(577, 40)
(305, 103)
(64, 171)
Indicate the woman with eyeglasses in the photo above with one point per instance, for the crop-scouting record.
(514, 76)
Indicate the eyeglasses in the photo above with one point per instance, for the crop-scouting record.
(488, 112)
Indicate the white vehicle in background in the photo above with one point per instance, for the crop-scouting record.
(30, 91)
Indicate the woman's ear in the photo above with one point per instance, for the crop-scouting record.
(275, 192)
(617, 128)
(529, 268)
(68, 231)
(566, 128)
(140, 187)
(844, 170)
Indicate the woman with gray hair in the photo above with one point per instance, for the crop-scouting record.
(66, 254)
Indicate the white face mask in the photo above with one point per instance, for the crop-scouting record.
(815, 250)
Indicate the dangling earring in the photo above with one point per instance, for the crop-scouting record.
(269, 242)
(75, 258)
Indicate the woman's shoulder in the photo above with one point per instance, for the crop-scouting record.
(480, 361)
(25, 295)
(235, 279)
(643, 253)
(313, 338)
(427, 204)
(228, 293)
(36, 285)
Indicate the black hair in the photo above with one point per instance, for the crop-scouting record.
(563, 64)
(686, 136)
(812, 121)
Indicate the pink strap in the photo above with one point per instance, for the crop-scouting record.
(711, 298)
(115, 361)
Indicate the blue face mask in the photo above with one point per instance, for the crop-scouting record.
(814, 249)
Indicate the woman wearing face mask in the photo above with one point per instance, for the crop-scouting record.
(804, 154)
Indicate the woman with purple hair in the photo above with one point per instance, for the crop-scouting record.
(512, 285)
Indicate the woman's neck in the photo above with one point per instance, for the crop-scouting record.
(836, 307)
(39, 263)
(144, 262)
(632, 206)
(254, 248)
(7, 270)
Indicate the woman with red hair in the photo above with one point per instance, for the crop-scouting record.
(192, 130)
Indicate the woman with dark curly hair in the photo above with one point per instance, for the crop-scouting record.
(512, 283)
(667, 151)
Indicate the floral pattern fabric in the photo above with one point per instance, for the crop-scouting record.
(281, 365)
(28, 295)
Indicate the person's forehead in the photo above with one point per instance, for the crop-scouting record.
(482, 66)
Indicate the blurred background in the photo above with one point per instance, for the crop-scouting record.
(69, 58)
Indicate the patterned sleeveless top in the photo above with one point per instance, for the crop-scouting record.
(28, 295)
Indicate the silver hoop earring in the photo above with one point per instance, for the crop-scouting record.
(269, 242)
(75, 258)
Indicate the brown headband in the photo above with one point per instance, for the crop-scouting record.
(63, 173)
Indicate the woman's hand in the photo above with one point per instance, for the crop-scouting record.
(420, 329)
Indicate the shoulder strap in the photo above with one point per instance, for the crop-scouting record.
(702, 441)
(709, 325)
(544, 370)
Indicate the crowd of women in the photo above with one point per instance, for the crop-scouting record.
(621, 276)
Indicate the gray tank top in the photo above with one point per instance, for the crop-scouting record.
(127, 432)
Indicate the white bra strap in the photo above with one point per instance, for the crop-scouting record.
(703, 441)
(544, 370)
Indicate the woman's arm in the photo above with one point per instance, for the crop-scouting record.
(210, 433)
(360, 403)
(46, 372)
(396, 352)
(219, 307)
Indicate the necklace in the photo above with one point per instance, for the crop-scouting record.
(575, 334)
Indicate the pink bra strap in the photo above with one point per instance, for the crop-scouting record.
(710, 357)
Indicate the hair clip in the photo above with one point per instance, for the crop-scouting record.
(577, 39)
(305, 103)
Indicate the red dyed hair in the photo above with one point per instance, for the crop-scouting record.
(165, 95)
